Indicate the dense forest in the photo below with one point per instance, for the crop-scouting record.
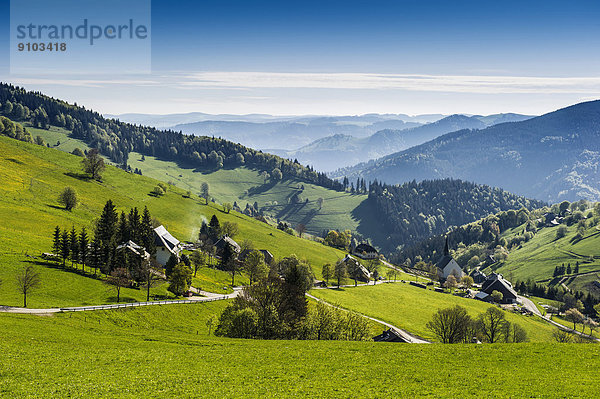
(483, 237)
(414, 211)
(116, 139)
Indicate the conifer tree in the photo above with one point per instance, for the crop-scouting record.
(147, 232)
(214, 228)
(74, 245)
(56, 242)
(83, 247)
(65, 247)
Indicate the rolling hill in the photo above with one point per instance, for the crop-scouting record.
(555, 156)
(286, 135)
(32, 176)
(342, 150)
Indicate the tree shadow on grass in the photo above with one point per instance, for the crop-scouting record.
(59, 266)
(80, 176)
(122, 299)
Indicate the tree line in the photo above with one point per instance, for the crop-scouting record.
(117, 139)
(413, 211)
(454, 325)
(100, 251)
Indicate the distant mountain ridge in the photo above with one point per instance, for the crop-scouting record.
(552, 157)
(339, 151)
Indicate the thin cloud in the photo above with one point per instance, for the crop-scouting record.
(439, 83)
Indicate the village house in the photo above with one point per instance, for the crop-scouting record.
(166, 245)
(478, 276)
(356, 271)
(447, 265)
(365, 251)
(134, 249)
(495, 282)
(267, 255)
(220, 245)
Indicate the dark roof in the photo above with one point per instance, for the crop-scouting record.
(478, 276)
(268, 255)
(389, 336)
(364, 248)
(502, 286)
(443, 262)
(220, 244)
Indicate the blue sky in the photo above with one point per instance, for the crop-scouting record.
(348, 57)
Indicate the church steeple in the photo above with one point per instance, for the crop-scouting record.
(446, 249)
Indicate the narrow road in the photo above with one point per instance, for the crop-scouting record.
(208, 297)
(529, 305)
(404, 334)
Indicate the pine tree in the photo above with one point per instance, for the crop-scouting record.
(123, 233)
(106, 232)
(135, 233)
(95, 254)
(56, 243)
(214, 228)
(576, 271)
(83, 247)
(74, 246)
(65, 247)
(147, 232)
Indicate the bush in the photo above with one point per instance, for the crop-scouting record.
(561, 232)
(157, 191)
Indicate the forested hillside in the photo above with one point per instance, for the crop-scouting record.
(117, 140)
(414, 211)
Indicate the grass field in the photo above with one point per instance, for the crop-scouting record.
(339, 210)
(32, 177)
(245, 186)
(411, 307)
(165, 352)
(57, 135)
(537, 258)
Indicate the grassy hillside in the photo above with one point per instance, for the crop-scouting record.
(31, 178)
(537, 258)
(411, 307)
(244, 185)
(165, 352)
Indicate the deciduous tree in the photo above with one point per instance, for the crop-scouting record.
(28, 279)
(93, 164)
(119, 278)
(451, 325)
(68, 198)
(491, 324)
(181, 279)
(574, 316)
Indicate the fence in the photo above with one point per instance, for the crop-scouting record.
(137, 304)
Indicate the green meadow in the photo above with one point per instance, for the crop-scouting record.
(410, 307)
(166, 352)
(537, 258)
(32, 177)
(243, 185)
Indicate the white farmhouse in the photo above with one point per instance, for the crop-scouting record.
(166, 245)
